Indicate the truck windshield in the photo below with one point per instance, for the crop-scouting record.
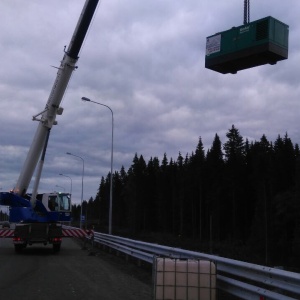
(60, 202)
(64, 202)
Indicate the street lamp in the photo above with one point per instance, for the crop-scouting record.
(111, 160)
(80, 222)
(71, 182)
(61, 187)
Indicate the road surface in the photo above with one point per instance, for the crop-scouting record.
(37, 273)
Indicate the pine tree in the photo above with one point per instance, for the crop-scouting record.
(179, 200)
(214, 183)
(165, 209)
(260, 177)
(135, 194)
(151, 203)
(235, 158)
(197, 177)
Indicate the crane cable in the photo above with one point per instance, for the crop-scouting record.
(246, 11)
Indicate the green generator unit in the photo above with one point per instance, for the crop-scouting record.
(257, 43)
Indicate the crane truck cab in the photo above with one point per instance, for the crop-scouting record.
(58, 202)
(56, 209)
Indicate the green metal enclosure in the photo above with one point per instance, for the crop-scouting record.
(260, 42)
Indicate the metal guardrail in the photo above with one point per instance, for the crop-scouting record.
(244, 280)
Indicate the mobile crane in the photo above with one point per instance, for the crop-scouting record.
(39, 217)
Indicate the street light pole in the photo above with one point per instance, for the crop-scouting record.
(111, 160)
(80, 222)
(71, 182)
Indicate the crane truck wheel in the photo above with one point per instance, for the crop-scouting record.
(19, 248)
(56, 248)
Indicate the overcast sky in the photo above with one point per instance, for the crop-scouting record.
(145, 60)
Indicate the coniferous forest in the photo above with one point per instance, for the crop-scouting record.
(238, 199)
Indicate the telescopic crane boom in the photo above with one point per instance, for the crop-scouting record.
(52, 108)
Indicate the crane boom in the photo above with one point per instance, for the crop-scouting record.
(52, 108)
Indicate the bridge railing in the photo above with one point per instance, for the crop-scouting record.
(241, 279)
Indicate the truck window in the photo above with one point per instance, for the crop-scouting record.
(52, 203)
(65, 202)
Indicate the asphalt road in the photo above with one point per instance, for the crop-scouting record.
(73, 273)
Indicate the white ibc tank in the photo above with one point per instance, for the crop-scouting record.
(190, 279)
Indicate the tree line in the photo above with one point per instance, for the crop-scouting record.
(240, 193)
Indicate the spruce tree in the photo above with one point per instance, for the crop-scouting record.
(235, 158)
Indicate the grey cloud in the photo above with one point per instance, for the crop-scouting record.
(146, 61)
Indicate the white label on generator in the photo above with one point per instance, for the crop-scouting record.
(213, 44)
